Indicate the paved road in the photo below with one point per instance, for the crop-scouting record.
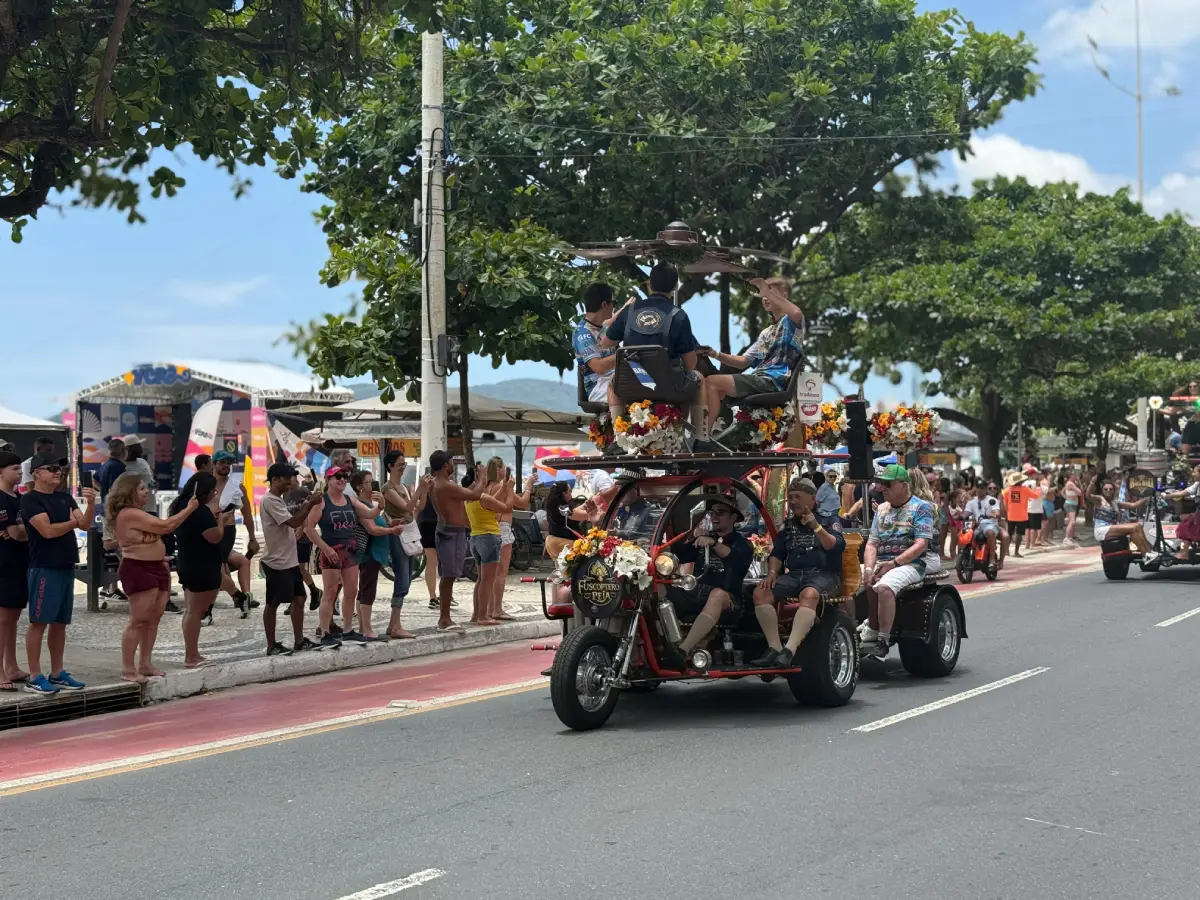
(1076, 782)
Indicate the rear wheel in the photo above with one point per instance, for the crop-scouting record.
(828, 663)
(581, 697)
(936, 656)
(965, 567)
(1116, 569)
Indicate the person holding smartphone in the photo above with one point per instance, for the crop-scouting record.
(230, 496)
(198, 559)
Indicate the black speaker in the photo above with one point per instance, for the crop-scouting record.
(858, 442)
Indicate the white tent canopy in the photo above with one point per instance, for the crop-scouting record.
(11, 419)
(263, 381)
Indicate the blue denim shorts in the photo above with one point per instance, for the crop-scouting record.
(485, 548)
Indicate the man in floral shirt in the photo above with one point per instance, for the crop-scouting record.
(769, 363)
(894, 557)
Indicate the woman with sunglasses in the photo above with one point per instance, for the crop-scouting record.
(331, 528)
(1112, 520)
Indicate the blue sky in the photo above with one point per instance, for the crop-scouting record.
(213, 277)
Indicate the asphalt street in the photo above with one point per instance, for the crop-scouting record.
(1075, 781)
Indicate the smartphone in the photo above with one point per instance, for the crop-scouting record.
(230, 508)
(85, 479)
(508, 473)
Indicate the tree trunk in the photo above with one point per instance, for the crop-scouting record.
(991, 427)
(725, 313)
(464, 412)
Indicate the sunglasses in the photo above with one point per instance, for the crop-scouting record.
(53, 470)
(341, 476)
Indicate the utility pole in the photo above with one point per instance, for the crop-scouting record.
(1137, 38)
(434, 364)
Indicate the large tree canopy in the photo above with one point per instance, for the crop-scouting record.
(1063, 305)
(89, 88)
(759, 122)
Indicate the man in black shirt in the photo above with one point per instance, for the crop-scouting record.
(810, 547)
(14, 569)
(719, 589)
(655, 319)
(51, 518)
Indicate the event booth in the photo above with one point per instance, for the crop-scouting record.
(21, 431)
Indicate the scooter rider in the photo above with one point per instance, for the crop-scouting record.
(985, 511)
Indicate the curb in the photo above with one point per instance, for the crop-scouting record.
(189, 682)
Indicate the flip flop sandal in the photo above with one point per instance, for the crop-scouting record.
(8, 687)
(455, 628)
(200, 665)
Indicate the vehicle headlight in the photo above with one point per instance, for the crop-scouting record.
(687, 582)
(666, 564)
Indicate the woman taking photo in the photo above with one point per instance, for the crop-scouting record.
(561, 513)
(1071, 493)
(144, 574)
(401, 506)
(198, 560)
(502, 489)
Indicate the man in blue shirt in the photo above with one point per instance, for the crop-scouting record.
(112, 468)
(596, 363)
(657, 320)
(810, 547)
(772, 358)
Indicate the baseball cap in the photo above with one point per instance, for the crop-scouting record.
(894, 472)
(132, 440)
(336, 470)
(8, 459)
(280, 470)
(223, 456)
(46, 459)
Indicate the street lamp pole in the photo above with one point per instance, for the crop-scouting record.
(1137, 38)
(434, 364)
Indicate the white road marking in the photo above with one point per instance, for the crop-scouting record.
(1179, 618)
(1067, 827)
(388, 888)
(950, 701)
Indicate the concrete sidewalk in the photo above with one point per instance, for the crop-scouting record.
(237, 646)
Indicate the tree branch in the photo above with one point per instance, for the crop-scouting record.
(104, 76)
(958, 417)
(23, 127)
(42, 176)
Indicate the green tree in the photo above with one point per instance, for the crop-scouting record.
(1062, 305)
(90, 88)
(509, 297)
(759, 122)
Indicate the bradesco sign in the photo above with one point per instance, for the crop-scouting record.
(158, 376)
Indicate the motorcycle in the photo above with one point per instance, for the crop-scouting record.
(973, 555)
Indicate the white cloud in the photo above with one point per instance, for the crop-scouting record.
(1165, 79)
(1003, 155)
(1166, 25)
(215, 293)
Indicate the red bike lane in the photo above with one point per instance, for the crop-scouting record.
(275, 711)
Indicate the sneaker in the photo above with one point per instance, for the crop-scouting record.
(172, 608)
(353, 637)
(277, 649)
(767, 660)
(378, 639)
(39, 684)
(335, 629)
(867, 634)
(785, 659)
(673, 658)
(239, 603)
(433, 604)
(877, 650)
(306, 644)
(64, 680)
(287, 610)
(207, 618)
(251, 602)
(329, 642)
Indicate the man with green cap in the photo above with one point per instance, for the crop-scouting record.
(894, 556)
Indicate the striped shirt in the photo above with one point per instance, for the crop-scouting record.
(777, 352)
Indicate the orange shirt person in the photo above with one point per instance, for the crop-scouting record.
(1016, 502)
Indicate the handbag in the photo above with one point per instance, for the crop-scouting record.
(410, 539)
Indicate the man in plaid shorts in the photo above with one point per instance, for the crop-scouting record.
(769, 363)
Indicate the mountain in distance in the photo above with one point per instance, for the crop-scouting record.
(542, 393)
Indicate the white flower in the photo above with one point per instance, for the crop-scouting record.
(640, 415)
(1156, 403)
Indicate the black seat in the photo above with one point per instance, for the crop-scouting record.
(662, 371)
(584, 403)
(772, 398)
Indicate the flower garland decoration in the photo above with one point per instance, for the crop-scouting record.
(830, 432)
(906, 428)
(629, 561)
(653, 429)
(760, 427)
(600, 431)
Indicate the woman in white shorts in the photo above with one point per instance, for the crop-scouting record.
(1111, 520)
(501, 486)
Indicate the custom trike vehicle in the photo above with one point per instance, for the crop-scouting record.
(1118, 553)
(617, 575)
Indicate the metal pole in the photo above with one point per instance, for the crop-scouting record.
(1137, 31)
(1020, 439)
(433, 274)
(1142, 408)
